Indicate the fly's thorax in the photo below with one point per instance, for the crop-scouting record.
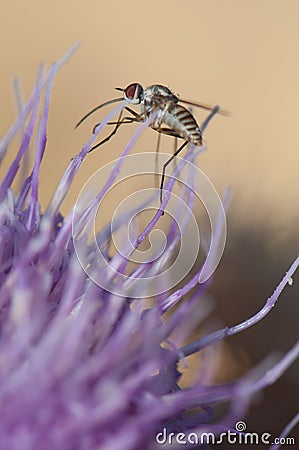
(156, 97)
(157, 90)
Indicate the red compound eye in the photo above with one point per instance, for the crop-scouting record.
(133, 93)
(130, 91)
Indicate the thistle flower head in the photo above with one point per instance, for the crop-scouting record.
(83, 364)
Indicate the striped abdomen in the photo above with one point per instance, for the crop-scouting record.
(180, 120)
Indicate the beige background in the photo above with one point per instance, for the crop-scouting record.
(241, 54)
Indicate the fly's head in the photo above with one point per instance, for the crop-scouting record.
(132, 93)
(154, 97)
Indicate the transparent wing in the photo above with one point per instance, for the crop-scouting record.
(221, 111)
(173, 98)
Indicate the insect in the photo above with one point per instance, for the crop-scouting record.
(171, 118)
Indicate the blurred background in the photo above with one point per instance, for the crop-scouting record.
(241, 55)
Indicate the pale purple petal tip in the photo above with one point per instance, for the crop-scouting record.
(82, 367)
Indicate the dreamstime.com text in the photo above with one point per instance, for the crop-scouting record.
(232, 437)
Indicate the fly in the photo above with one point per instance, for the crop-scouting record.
(171, 118)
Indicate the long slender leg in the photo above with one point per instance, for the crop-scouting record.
(157, 160)
(175, 144)
(175, 149)
(123, 120)
(165, 166)
(119, 122)
(168, 132)
(134, 113)
(137, 117)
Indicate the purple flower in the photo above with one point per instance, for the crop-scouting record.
(83, 363)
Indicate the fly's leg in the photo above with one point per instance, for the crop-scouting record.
(121, 120)
(168, 132)
(165, 166)
(175, 149)
(157, 160)
(128, 119)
